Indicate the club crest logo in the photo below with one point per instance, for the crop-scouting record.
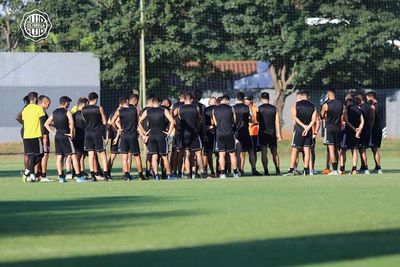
(35, 25)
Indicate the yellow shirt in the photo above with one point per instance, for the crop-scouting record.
(74, 109)
(31, 115)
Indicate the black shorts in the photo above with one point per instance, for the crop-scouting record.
(376, 139)
(157, 144)
(94, 141)
(225, 143)
(209, 143)
(33, 146)
(64, 145)
(365, 139)
(191, 141)
(243, 136)
(128, 143)
(267, 140)
(300, 141)
(79, 144)
(350, 141)
(333, 136)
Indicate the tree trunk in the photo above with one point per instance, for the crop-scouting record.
(283, 86)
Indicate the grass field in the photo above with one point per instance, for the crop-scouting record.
(251, 221)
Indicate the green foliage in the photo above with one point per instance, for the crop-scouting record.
(354, 54)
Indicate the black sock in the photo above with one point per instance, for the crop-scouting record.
(235, 171)
(377, 167)
(291, 170)
(43, 175)
(342, 168)
(278, 170)
(223, 172)
(334, 166)
(68, 172)
(354, 168)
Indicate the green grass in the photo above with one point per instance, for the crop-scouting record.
(264, 221)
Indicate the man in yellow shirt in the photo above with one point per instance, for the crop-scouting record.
(32, 135)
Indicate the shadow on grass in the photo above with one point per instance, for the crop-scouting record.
(294, 251)
(83, 216)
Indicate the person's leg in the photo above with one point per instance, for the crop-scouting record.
(60, 168)
(354, 153)
(239, 155)
(139, 166)
(252, 160)
(199, 158)
(221, 158)
(307, 156)
(103, 160)
(342, 160)
(92, 161)
(276, 160)
(234, 165)
(75, 164)
(363, 159)
(312, 159)
(154, 164)
(167, 166)
(332, 156)
(264, 159)
(68, 167)
(124, 163)
(111, 160)
(43, 163)
(211, 162)
(377, 158)
(293, 159)
(187, 162)
(26, 161)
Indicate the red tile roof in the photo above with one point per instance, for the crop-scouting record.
(240, 67)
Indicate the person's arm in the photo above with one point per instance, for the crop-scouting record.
(213, 119)
(324, 111)
(113, 121)
(360, 127)
(346, 120)
(103, 115)
(316, 126)
(171, 122)
(311, 125)
(373, 112)
(278, 127)
(18, 117)
(142, 131)
(71, 125)
(47, 125)
(297, 120)
(233, 117)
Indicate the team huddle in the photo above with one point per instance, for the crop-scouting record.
(182, 140)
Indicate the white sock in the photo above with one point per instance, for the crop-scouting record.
(26, 172)
(32, 176)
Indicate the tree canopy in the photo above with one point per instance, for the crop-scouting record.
(347, 48)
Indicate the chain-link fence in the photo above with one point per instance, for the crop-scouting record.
(218, 47)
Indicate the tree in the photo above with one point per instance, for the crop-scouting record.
(349, 53)
(9, 24)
